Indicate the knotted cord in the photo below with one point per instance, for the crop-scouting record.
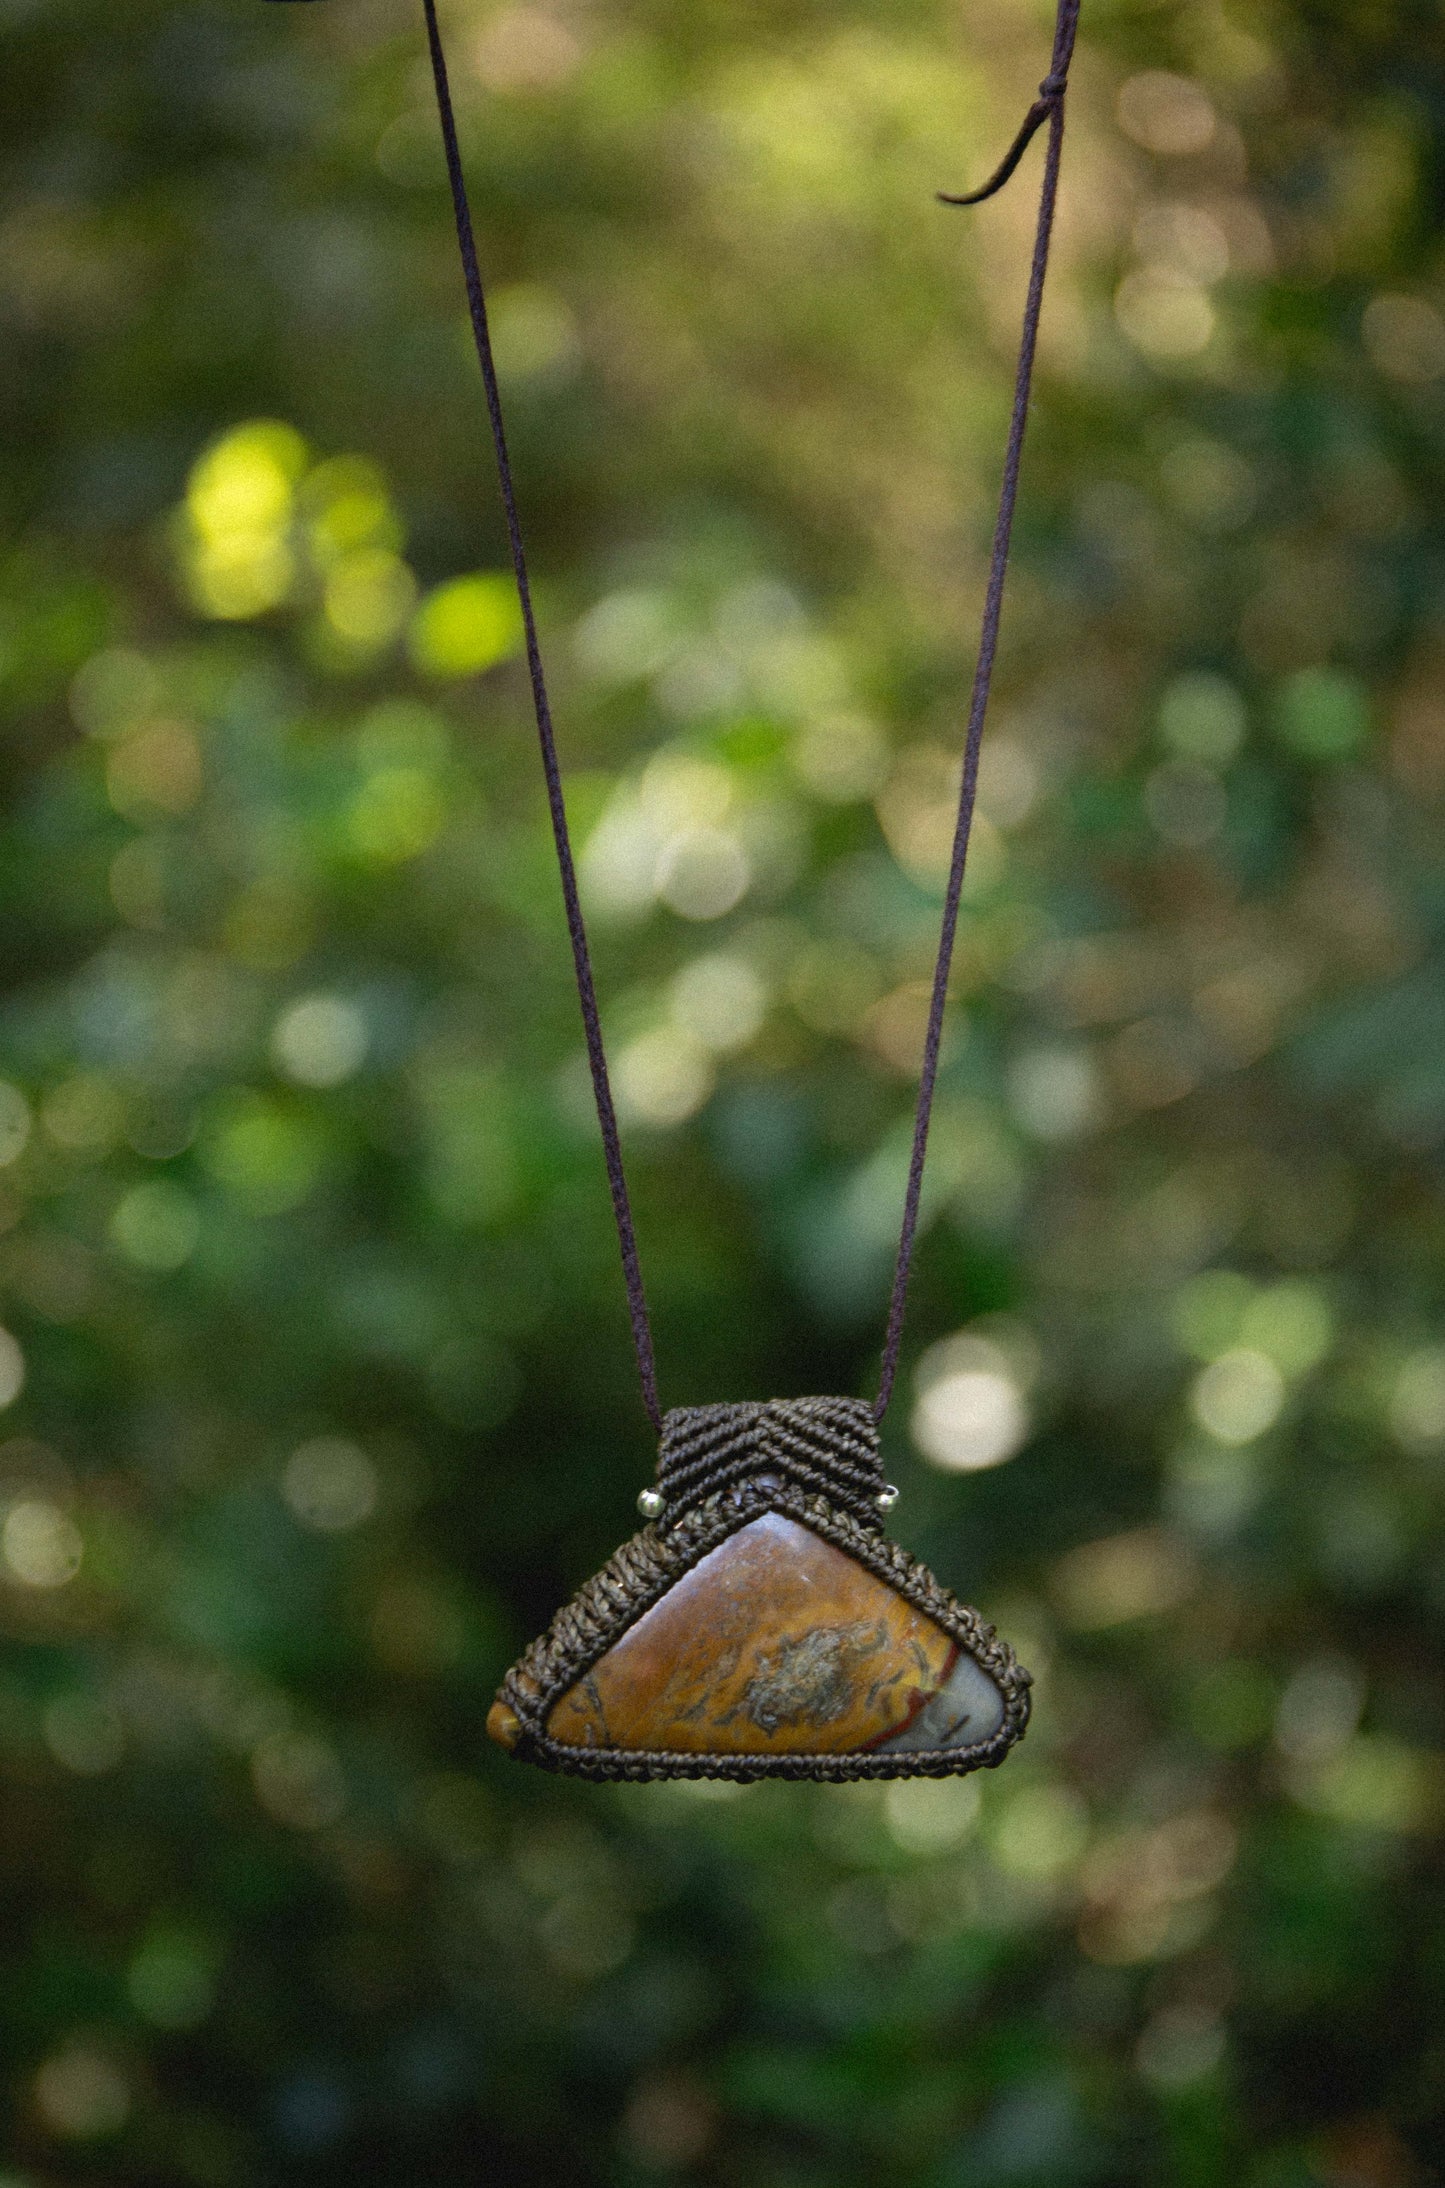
(1048, 107)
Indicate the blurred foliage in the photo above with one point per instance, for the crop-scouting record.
(318, 1397)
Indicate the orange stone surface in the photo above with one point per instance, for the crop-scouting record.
(774, 1643)
(503, 1725)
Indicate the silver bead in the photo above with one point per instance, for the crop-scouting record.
(652, 1503)
(886, 1498)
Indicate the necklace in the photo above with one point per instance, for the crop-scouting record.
(761, 1623)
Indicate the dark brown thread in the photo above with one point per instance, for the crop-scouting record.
(1049, 106)
(581, 956)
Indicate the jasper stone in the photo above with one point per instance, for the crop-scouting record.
(968, 1707)
(777, 1643)
(503, 1725)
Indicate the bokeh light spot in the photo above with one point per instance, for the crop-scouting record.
(1375, 1783)
(1209, 1311)
(931, 1815)
(114, 691)
(82, 2095)
(1164, 314)
(417, 1627)
(83, 1734)
(918, 813)
(1320, 1709)
(832, 984)
(1202, 718)
(345, 506)
(267, 1156)
(156, 1225)
(368, 596)
(171, 1981)
(663, 1077)
(1405, 337)
(1039, 1832)
(397, 813)
(971, 1412)
(702, 873)
(1238, 1396)
(534, 335)
(1180, 2045)
(1417, 1402)
(1322, 714)
(1135, 1575)
(1209, 483)
(627, 636)
(138, 883)
(1182, 239)
(236, 554)
(585, 1934)
(268, 925)
(1010, 781)
(1291, 1322)
(1165, 113)
(841, 758)
(467, 625)
(525, 49)
(330, 1485)
(40, 1544)
(679, 791)
(299, 1780)
(320, 1040)
(83, 1115)
(12, 1368)
(1055, 1092)
(720, 1000)
(313, 2111)
(155, 770)
(1147, 1892)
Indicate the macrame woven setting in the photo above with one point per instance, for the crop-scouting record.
(826, 1445)
(782, 1488)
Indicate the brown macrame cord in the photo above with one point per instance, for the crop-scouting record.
(1048, 107)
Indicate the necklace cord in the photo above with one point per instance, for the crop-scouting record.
(576, 927)
(1048, 107)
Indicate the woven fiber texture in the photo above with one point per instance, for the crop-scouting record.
(652, 1561)
(826, 1446)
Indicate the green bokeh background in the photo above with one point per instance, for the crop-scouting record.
(318, 1391)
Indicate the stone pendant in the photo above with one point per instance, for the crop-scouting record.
(763, 1625)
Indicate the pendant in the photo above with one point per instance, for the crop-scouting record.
(762, 1624)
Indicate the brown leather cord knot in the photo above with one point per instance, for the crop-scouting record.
(1049, 101)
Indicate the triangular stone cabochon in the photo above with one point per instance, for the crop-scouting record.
(776, 1643)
